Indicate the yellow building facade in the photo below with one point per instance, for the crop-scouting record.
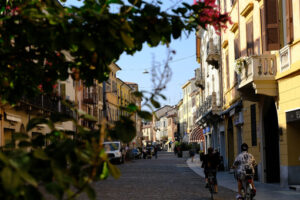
(260, 64)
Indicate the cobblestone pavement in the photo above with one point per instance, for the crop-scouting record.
(167, 177)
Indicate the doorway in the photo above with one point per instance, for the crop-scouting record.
(230, 140)
(271, 141)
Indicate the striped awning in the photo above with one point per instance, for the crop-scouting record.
(197, 135)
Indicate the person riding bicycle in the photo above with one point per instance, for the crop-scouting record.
(244, 163)
(210, 163)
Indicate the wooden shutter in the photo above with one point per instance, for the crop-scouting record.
(237, 52)
(263, 30)
(227, 71)
(249, 35)
(198, 45)
(289, 21)
(272, 24)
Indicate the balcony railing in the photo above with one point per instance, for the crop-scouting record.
(210, 104)
(259, 72)
(90, 98)
(43, 102)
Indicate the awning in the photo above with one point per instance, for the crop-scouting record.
(197, 135)
(238, 104)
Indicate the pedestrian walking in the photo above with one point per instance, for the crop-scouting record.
(192, 154)
(155, 151)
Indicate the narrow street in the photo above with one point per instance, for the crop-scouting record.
(167, 177)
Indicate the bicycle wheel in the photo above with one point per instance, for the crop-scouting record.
(211, 189)
(248, 193)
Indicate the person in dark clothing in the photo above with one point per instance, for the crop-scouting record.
(211, 162)
(155, 151)
(175, 149)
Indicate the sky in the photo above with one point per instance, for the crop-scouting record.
(182, 65)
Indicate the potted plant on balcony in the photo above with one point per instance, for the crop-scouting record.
(239, 64)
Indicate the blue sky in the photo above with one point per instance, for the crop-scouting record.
(183, 64)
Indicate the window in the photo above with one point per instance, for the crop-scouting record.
(227, 71)
(270, 31)
(289, 21)
(114, 86)
(225, 5)
(108, 87)
(237, 52)
(249, 35)
(100, 92)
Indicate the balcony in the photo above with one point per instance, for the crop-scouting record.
(257, 77)
(213, 54)
(200, 81)
(41, 102)
(90, 98)
(208, 110)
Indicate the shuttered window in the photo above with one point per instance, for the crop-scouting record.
(227, 71)
(249, 34)
(253, 125)
(237, 52)
(271, 25)
(198, 45)
(263, 30)
(289, 21)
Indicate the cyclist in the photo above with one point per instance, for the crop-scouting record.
(211, 162)
(243, 162)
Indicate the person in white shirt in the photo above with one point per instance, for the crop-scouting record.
(244, 162)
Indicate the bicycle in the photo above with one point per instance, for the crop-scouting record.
(247, 190)
(211, 177)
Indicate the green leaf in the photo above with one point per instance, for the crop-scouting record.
(10, 180)
(90, 192)
(155, 103)
(145, 115)
(114, 171)
(105, 171)
(88, 117)
(55, 189)
(138, 94)
(28, 178)
(40, 154)
(132, 107)
(127, 40)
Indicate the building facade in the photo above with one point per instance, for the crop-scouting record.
(261, 85)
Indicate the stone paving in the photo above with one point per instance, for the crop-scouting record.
(167, 177)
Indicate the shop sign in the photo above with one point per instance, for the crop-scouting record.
(292, 116)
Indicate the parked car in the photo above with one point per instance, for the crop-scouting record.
(113, 150)
(137, 154)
